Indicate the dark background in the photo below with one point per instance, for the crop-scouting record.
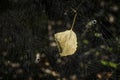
(27, 28)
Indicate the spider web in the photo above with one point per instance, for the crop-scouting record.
(28, 49)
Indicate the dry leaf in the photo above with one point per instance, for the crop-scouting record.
(66, 42)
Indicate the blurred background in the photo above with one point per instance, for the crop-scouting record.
(28, 50)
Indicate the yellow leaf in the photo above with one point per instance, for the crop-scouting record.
(66, 42)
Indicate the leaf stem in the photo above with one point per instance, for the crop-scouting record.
(74, 20)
